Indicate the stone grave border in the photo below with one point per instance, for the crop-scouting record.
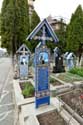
(20, 102)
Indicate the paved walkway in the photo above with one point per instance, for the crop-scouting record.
(6, 92)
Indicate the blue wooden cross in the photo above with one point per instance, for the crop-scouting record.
(42, 55)
(23, 50)
(47, 33)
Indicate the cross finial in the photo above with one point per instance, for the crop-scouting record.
(24, 51)
(47, 33)
(43, 38)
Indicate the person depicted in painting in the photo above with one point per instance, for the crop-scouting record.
(42, 60)
(24, 60)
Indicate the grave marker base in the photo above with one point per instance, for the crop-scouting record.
(42, 101)
(59, 69)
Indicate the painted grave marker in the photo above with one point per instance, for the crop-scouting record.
(23, 59)
(42, 61)
(58, 68)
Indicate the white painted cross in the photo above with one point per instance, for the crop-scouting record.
(24, 51)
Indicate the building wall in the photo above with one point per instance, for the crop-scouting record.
(56, 24)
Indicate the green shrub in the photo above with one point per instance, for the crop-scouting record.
(78, 71)
(52, 80)
(28, 90)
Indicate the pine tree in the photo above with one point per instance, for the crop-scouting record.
(61, 33)
(22, 15)
(0, 23)
(75, 32)
(4, 25)
(14, 23)
(34, 20)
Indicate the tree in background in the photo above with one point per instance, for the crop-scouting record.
(34, 20)
(75, 32)
(14, 23)
(0, 23)
(4, 25)
(61, 33)
(23, 20)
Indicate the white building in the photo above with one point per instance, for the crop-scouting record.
(31, 8)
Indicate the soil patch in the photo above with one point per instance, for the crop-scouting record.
(51, 118)
(75, 100)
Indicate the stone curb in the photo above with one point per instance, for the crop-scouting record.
(20, 103)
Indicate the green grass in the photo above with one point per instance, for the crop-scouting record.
(70, 77)
(78, 71)
(28, 90)
(54, 82)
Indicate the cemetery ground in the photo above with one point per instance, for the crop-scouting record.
(66, 101)
(69, 77)
(75, 100)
